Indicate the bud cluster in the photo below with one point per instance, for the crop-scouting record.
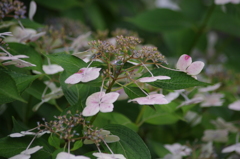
(12, 6)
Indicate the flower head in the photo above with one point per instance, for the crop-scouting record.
(26, 154)
(108, 156)
(84, 75)
(151, 99)
(178, 149)
(213, 99)
(185, 64)
(100, 101)
(215, 135)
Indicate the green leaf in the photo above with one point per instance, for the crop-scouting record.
(17, 126)
(8, 89)
(160, 20)
(34, 56)
(114, 118)
(130, 144)
(27, 23)
(134, 92)
(179, 80)
(58, 4)
(54, 141)
(14, 146)
(77, 145)
(22, 80)
(164, 114)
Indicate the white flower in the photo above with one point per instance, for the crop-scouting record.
(108, 156)
(65, 155)
(213, 99)
(84, 75)
(172, 156)
(185, 64)
(150, 99)
(32, 10)
(23, 35)
(166, 4)
(105, 135)
(178, 149)
(152, 79)
(122, 94)
(222, 124)
(210, 88)
(215, 135)
(173, 95)
(235, 147)
(26, 154)
(52, 69)
(100, 101)
(194, 100)
(235, 105)
(15, 60)
(24, 133)
(193, 118)
(206, 150)
(80, 41)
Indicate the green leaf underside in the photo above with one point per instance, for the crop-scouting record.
(8, 89)
(179, 80)
(130, 144)
(134, 92)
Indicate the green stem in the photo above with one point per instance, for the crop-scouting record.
(139, 117)
(58, 108)
(202, 28)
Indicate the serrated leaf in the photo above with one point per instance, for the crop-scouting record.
(130, 144)
(8, 89)
(134, 92)
(179, 80)
(77, 145)
(54, 141)
(22, 80)
(160, 20)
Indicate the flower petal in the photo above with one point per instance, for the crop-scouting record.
(235, 105)
(143, 101)
(32, 10)
(147, 79)
(52, 69)
(31, 150)
(75, 78)
(94, 98)
(20, 156)
(106, 107)
(195, 68)
(91, 110)
(91, 74)
(65, 155)
(183, 62)
(162, 77)
(110, 97)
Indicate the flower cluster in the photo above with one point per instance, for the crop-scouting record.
(12, 6)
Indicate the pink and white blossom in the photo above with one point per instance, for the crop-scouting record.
(185, 64)
(178, 149)
(84, 75)
(108, 156)
(150, 99)
(215, 135)
(100, 101)
(235, 105)
(65, 155)
(154, 78)
(26, 154)
(214, 99)
(232, 148)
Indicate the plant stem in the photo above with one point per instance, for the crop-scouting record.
(139, 117)
(202, 28)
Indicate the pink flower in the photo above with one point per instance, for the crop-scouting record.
(152, 79)
(84, 75)
(151, 99)
(235, 105)
(99, 101)
(185, 64)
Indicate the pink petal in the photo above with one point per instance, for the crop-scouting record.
(158, 99)
(183, 62)
(147, 79)
(162, 77)
(143, 101)
(235, 105)
(195, 68)
(110, 97)
(94, 98)
(73, 79)
(91, 74)
(106, 107)
(91, 109)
